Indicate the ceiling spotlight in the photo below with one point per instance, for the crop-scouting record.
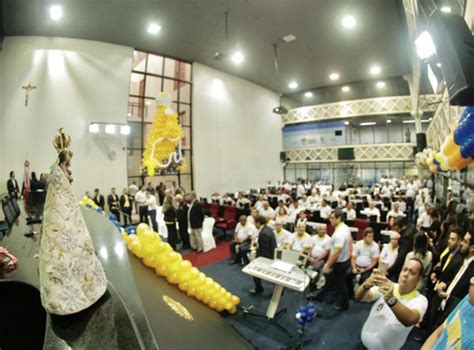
(293, 85)
(148, 103)
(125, 130)
(438, 65)
(289, 38)
(110, 129)
(368, 124)
(308, 94)
(346, 123)
(349, 22)
(380, 84)
(446, 9)
(129, 114)
(375, 70)
(153, 28)
(55, 12)
(237, 57)
(345, 89)
(334, 76)
(93, 128)
(389, 121)
(424, 45)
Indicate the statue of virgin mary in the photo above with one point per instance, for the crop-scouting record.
(71, 276)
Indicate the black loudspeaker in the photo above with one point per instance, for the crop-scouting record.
(283, 156)
(420, 141)
(455, 50)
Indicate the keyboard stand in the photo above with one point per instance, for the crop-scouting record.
(271, 315)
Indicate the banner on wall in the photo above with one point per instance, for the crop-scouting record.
(315, 134)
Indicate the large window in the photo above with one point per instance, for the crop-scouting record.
(347, 173)
(151, 75)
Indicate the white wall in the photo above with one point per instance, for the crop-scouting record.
(78, 81)
(236, 138)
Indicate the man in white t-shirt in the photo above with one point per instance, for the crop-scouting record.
(372, 211)
(351, 214)
(239, 247)
(397, 307)
(395, 212)
(365, 256)
(282, 236)
(338, 263)
(252, 216)
(325, 210)
(301, 241)
(389, 252)
(267, 211)
(321, 247)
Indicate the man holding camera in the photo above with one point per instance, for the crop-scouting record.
(397, 306)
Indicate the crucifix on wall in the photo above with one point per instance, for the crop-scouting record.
(27, 89)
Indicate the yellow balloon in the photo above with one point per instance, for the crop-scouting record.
(161, 259)
(213, 304)
(194, 272)
(235, 300)
(173, 268)
(233, 310)
(185, 265)
(206, 299)
(228, 306)
(162, 270)
(183, 286)
(172, 278)
(191, 292)
(184, 276)
(149, 249)
(199, 295)
(175, 257)
(219, 308)
(149, 261)
(141, 228)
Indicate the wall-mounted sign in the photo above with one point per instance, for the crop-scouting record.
(309, 135)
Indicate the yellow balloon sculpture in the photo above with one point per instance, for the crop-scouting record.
(156, 254)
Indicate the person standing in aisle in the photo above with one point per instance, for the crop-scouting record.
(195, 221)
(182, 218)
(126, 207)
(140, 199)
(169, 216)
(151, 210)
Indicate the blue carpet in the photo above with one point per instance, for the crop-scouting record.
(339, 332)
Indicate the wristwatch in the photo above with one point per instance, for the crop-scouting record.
(392, 301)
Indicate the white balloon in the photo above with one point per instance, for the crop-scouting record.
(168, 112)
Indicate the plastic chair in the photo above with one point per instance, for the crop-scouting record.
(208, 240)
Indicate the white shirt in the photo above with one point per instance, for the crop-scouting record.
(242, 201)
(321, 245)
(325, 212)
(132, 189)
(369, 212)
(268, 213)
(388, 254)
(244, 232)
(282, 197)
(411, 190)
(300, 243)
(259, 205)
(341, 238)
(151, 202)
(312, 200)
(300, 190)
(382, 330)
(283, 237)
(250, 220)
(365, 254)
(393, 213)
(425, 220)
(386, 192)
(351, 214)
(140, 198)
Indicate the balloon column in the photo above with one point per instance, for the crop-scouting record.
(305, 314)
(147, 245)
(457, 151)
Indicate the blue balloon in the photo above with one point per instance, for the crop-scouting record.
(302, 322)
(311, 312)
(113, 217)
(100, 210)
(88, 206)
(310, 306)
(301, 309)
(309, 320)
(465, 129)
(467, 111)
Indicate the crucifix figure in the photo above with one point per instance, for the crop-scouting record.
(27, 89)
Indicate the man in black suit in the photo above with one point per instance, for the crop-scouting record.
(12, 186)
(405, 245)
(182, 217)
(265, 247)
(99, 199)
(195, 220)
(113, 202)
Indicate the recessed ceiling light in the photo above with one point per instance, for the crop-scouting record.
(125, 130)
(438, 65)
(446, 9)
(148, 103)
(375, 70)
(153, 28)
(237, 57)
(334, 76)
(289, 38)
(389, 121)
(345, 89)
(55, 12)
(349, 22)
(368, 124)
(293, 85)
(308, 94)
(94, 128)
(380, 84)
(346, 123)
(408, 122)
(110, 129)
(129, 114)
